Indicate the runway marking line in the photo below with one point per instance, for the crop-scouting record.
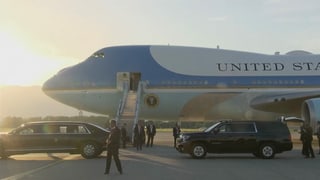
(24, 174)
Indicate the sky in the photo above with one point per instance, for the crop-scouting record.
(40, 37)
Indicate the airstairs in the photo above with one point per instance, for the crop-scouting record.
(129, 107)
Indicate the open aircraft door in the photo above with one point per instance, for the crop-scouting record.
(131, 78)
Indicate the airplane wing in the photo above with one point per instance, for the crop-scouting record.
(284, 102)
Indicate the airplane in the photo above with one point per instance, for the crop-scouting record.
(183, 83)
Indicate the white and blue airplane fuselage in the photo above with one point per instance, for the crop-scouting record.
(191, 83)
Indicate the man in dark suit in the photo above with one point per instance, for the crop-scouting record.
(113, 143)
(124, 135)
(139, 135)
(151, 132)
(175, 132)
(308, 141)
(318, 136)
(303, 133)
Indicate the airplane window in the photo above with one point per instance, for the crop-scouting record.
(98, 55)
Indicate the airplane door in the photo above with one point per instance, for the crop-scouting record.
(122, 78)
(132, 78)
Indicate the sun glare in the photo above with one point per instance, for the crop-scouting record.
(20, 65)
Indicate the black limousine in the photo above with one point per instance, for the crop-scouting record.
(53, 137)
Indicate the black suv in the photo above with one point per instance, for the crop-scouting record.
(263, 139)
(48, 137)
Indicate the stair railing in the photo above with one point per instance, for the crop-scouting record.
(123, 101)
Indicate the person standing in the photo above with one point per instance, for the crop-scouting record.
(176, 132)
(151, 132)
(303, 133)
(139, 135)
(124, 135)
(308, 141)
(318, 136)
(113, 143)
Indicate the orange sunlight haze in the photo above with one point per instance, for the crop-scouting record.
(22, 65)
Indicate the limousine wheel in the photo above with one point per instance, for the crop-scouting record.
(198, 151)
(89, 150)
(267, 151)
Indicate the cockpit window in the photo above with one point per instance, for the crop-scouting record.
(98, 55)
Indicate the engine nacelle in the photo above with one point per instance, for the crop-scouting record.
(311, 112)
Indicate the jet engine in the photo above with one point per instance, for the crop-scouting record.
(311, 112)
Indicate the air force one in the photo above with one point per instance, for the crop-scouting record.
(191, 83)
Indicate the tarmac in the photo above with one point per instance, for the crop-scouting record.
(163, 162)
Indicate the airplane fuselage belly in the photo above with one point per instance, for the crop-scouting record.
(102, 101)
(174, 104)
(179, 104)
(201, 104)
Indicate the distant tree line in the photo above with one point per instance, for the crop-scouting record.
(12, 122)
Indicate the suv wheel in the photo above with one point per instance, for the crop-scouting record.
(198, 151)
(89, 150)
(267, 151)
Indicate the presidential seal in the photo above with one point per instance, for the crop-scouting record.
(151, 100)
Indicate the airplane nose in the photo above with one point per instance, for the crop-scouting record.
(57, 82)
(49, 86)
(56, 86)
(62, 80)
